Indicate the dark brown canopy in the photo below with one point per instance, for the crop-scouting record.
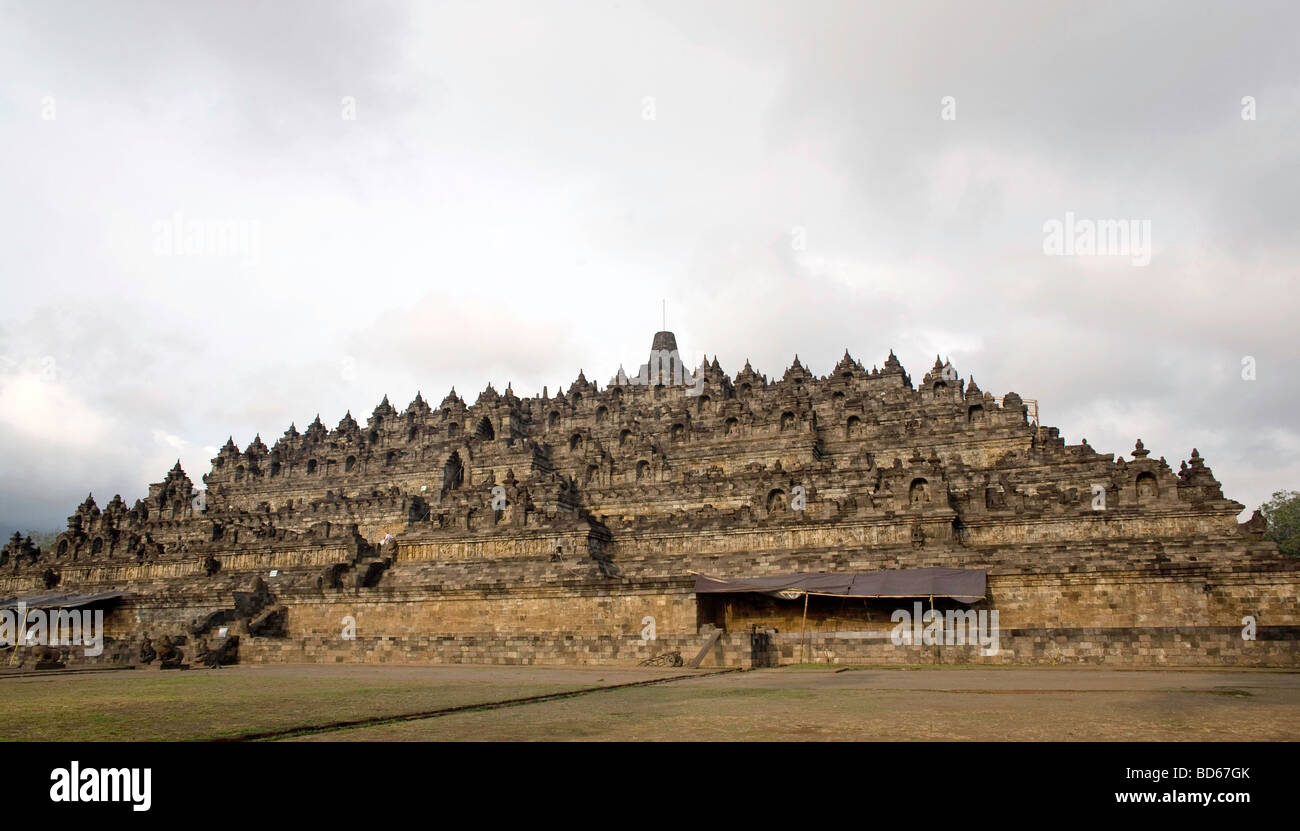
(59, 601)
(961, 584)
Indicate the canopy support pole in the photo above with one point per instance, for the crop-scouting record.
(803, 628)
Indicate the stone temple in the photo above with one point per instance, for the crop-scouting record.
(586, 527)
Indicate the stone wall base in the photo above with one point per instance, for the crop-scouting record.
(1128, 647)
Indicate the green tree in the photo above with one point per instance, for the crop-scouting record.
(1283, 515)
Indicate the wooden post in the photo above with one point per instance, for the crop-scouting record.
(803, 628)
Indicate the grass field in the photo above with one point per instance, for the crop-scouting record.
(779, 704)
(145, 705)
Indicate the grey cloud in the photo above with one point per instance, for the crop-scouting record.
(501, 211)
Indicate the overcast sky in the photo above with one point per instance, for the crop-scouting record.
(457, 193)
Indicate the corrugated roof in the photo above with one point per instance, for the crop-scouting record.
(59, 601)
(962, 584)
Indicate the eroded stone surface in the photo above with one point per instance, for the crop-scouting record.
(545, 529)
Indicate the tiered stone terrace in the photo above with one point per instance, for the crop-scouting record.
(545, 529)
